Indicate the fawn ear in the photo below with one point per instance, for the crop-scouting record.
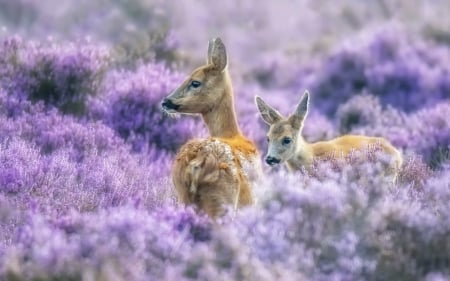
(210, 49)
(268, 114)
(301, 111)
(217, 54)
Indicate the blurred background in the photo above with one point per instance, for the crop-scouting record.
(256, 33)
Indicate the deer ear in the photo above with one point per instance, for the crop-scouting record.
(301, 111)
(217, 54)
(268, 114)
(210, 48)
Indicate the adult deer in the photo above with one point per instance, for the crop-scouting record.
(214, 173)
(287, 145)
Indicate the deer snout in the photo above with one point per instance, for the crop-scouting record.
(272, 160)
(168, 104)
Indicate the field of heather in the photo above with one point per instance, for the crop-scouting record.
(86, 151)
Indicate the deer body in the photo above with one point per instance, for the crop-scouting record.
(214, 173)
(286, 144)
(339, 148)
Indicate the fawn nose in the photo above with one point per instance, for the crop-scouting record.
(272, 160)
(168, 104)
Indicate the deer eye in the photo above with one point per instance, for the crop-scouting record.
(286, 140)
(267, 139)
(195, 84)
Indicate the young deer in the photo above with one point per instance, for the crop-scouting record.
(286, 144)
(214, 173)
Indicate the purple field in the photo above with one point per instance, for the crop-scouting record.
(86, 151)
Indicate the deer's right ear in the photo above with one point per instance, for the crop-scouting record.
(217, 54)
(301, 111)
(268, 114)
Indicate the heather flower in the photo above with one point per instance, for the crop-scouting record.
(199, 227)
(334, 224)
(365, 111)
(425, 132)
(52, 162)
(62, 76)
(14, 105)
(403, 71)
(51, 131)
(303, 229)
(55, 183)
(414, 172)
(406, 230)
(126, 243)
(131, 106)
(359, 111)
(19, 166)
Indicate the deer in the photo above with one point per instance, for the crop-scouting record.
(214, 174)
(287, 145)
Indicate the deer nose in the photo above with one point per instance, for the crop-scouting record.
(272, 160)
(168, 104)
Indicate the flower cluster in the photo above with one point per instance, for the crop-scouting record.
(130, 104)
(62, 76)
(342, 227)
(425, 132)
(402, 71)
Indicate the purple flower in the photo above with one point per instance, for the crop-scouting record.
(403, 71)
(130, 105)
(62, 76)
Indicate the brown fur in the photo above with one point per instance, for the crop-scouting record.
(204, 178)
(209, 173)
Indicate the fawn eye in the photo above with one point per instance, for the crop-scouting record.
(195, 84)
(267, 139)
(286, 140)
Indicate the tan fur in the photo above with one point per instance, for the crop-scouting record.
(301, 154)
(340, 148)
(204, 177)
(209, 173)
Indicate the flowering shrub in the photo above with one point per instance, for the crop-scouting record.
(61, 76)
(425, 132)
(342, 227)
(131, 105)
(51, 131)
(403, 72)
(99, 180)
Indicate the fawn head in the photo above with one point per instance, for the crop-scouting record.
(205, 87)
(284, 133)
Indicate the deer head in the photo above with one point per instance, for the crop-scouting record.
(205, 88)
(284, 133)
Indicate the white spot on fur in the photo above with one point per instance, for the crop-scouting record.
(224, 150)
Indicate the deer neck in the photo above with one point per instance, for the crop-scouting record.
(221, 119)
(303, 156)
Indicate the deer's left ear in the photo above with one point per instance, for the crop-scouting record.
(268, 114)
(301, 111)
(217, 54)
